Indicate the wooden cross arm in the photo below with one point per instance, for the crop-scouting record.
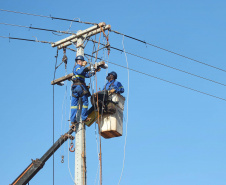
(61, 79)
(69, 76)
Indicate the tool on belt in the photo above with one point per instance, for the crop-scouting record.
(81, 84)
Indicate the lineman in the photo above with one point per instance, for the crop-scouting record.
(79, 88)
(112, 85)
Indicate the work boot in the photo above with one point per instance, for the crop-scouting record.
(74, 123)
(86, 120)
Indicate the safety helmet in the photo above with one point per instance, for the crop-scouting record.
(113, 73)
(79, 57)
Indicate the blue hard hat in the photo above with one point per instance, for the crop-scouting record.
(113, 73)
(79, 57)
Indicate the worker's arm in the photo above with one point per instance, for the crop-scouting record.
(79, 70)
(118, 88)
(91, 73)
(88, 74)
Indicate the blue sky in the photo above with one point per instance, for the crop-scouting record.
(175, 135)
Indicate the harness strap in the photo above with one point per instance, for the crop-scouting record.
(76, 76)
(109, 85)
(85, 90)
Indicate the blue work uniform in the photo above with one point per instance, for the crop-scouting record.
(77, 91)
(113, 84)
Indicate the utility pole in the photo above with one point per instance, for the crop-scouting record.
(80, 145)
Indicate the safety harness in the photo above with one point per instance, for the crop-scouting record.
(109, 85)
(81, 84)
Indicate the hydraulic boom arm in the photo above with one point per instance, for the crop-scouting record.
(37, 164)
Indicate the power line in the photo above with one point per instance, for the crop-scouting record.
(31, 40)
(159, 63)
(128, 68)
(173, 68)
(31, 27)
(139, 40)
(58, 18)
(130, 54)
(163, 80)
(144, 42)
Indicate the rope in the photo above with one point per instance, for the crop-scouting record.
(100, 154)
(127, 120)
(105, 83)
(92, 87)
(64, 108)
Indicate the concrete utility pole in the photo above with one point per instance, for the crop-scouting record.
(80, 146)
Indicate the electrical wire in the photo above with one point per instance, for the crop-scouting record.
(149, 75)
(68, 143)
(72, 22)
(198, 76)
(57, 18)
(159, 63)
(144, 42)
(54, 109)
(129, 69)
(127, 120)
(35, 28)
(44, 42)
(97, 174)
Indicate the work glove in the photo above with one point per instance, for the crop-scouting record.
(111, 91)
(98, 69)
(86, 69)
(84, 63)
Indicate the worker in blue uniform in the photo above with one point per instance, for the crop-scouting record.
(79, 88)
(113, 86)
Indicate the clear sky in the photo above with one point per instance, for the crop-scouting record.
(175, 135)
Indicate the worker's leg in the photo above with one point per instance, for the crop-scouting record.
(74, 104)
(84, 106)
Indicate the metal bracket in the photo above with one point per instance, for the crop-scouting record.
(65, 136)
(37, 163)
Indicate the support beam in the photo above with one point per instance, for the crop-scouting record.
(94, 32)
(79, 34)
(69, 76)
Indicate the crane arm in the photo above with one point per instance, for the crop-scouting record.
(37, 164)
